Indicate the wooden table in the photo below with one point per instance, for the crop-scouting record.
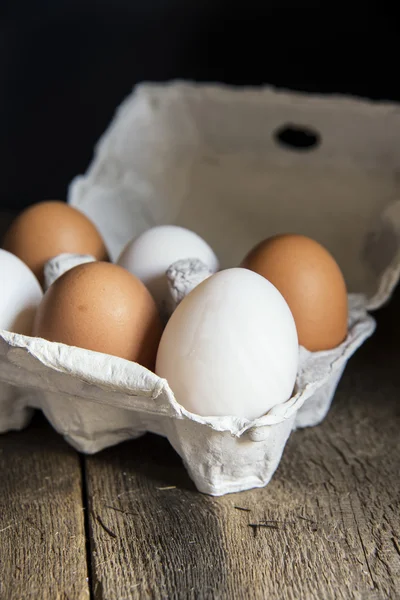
(128, 522)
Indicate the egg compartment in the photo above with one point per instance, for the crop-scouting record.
(185, 275)
(234, 165)
(95, 400)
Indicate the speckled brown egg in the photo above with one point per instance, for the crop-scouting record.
(312, 284)
(47, 229)
(100, 306)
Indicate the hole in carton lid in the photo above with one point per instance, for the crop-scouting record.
(297, 137)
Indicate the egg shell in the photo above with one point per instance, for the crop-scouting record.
(312, 284)
(151, 254)
(230, 347)
(100, 306)
(20, 294)
(163, 143)
(47, 229)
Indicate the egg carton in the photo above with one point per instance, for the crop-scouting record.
(219, 161)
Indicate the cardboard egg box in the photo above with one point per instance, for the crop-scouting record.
(236, 166)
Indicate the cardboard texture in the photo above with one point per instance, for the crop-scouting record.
(208, 158)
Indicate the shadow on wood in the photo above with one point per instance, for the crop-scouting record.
(327, 526)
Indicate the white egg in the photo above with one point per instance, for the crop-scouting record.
(154, 251)
(231, 347)
(20, 294)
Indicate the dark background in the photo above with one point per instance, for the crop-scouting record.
(65, 66)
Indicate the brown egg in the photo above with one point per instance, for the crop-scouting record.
(100, 306)
(312, 284)
(47, 229)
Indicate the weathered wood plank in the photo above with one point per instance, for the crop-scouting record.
(42, 535)
(330, 519)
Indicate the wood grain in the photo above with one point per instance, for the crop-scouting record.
(327, 526)
(42, 536)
